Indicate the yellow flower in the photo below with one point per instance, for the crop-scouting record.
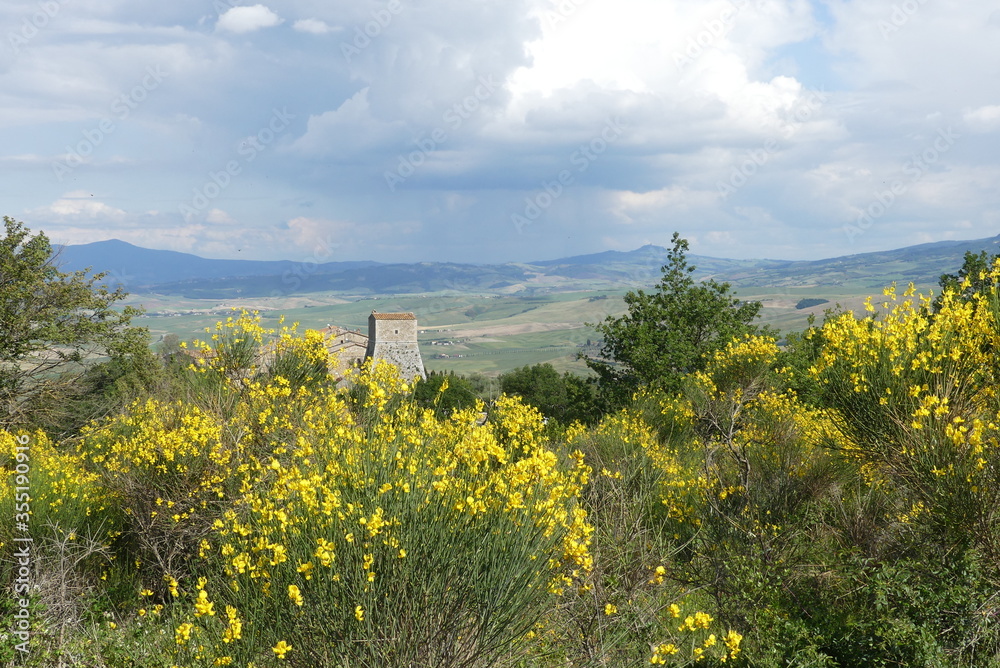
(295, 594)
(663, 651)
(171, 584)
(203, 606)
(281, 649)
(183, 633)
(234, 631)
(359, 613)
(610, 609)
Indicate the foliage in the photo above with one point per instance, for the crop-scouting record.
(667, 333)
(831, 503)
(53, 325)
(810, 302)
(319, 526)
(566, 398)
(974, 277)
(915, 391)
(362, 533)
(241, 350)
(444, 393)
(629, 609)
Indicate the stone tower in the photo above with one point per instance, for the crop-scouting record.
(393, 337)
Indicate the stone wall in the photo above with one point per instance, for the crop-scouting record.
(393, 337)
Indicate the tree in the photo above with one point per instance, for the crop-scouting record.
(666, 333)
(976, 268)
(540, 386)
(54, 327)
(458, 393)
(566, 398)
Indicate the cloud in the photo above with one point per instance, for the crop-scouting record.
(79, 205)
(348, 131)
(220, 217)
(983, 119)
(701, 88)
(313, 26)
(247, 19)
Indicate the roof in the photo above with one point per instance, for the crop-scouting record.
(393, 316)
(334, 329)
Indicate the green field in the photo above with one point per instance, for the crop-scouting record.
(465, 333)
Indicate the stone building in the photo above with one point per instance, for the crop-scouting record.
(393, 337)
(346, 346)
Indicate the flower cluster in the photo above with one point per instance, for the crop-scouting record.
(352, 503)
(695, 642)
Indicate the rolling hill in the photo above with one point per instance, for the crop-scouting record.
(181, 274)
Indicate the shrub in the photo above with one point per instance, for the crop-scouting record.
(406, 540)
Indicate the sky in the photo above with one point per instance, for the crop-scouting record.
(501, 130)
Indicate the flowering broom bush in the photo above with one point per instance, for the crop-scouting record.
(318, 526)
(914, 386)
(916, 390)
(412, 542)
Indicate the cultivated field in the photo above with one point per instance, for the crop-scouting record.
(463, 333)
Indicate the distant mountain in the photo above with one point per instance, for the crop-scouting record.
(922, 264)
(369, 280)
(134, 267)
(170, 272)
(631, 266)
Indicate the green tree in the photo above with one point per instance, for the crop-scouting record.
(976, 267)
(540, 386)
(566, 398)
(54, 328)
(457, 395)
(666, 333)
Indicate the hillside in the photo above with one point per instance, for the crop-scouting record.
(190, 276)
(135, 267)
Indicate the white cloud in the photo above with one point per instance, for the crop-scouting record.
(347, 130)
(983, 119)
(220, 217)
(313, 26)
(79, 205)
(248, 19)
(700, 90)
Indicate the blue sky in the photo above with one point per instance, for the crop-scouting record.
(501, 130)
